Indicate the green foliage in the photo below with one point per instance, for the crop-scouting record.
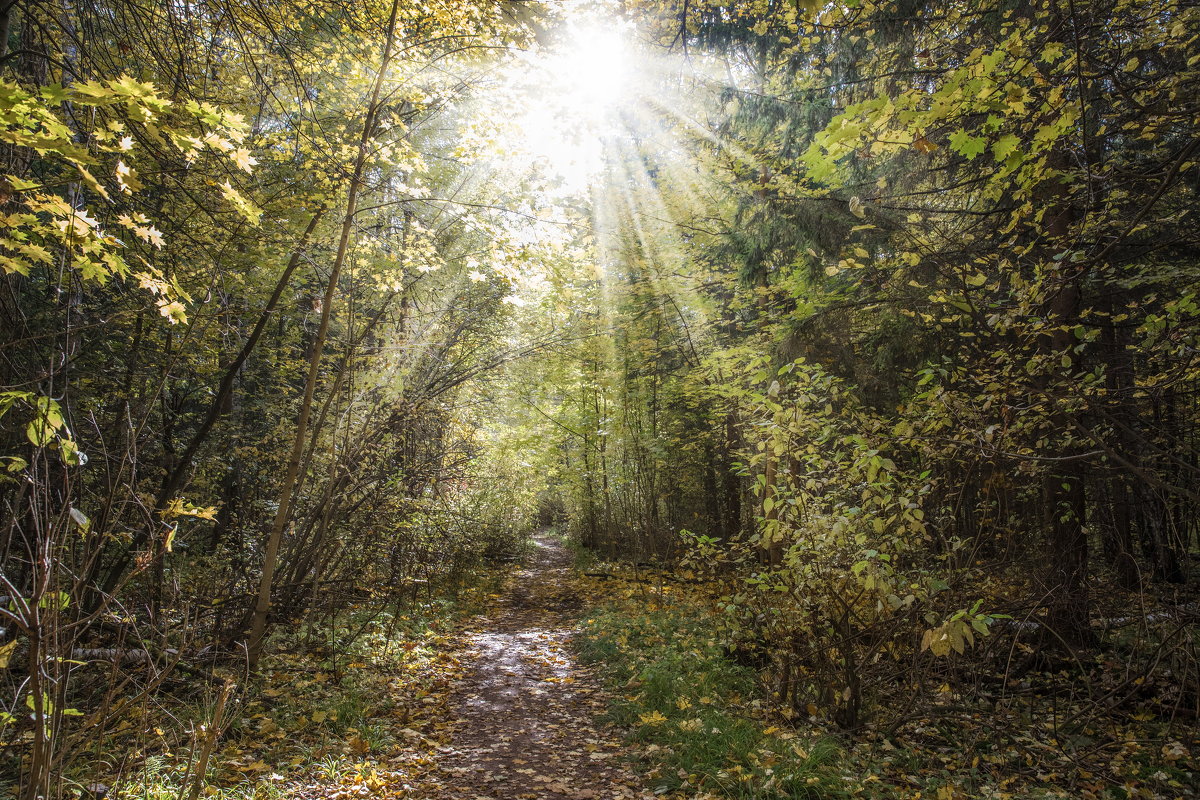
(695, 711)
(171, 205)
(50, 222)
(840, 572)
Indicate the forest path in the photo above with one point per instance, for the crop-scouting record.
(525, 714)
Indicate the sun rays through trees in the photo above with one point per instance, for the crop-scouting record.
(853, 345)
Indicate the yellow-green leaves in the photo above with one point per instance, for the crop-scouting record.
(958, 631)
(56, 223)
(250, 212)
(966, 144)
(1004, 146)
(6, 653)
(178, 507)
(47, 421)
(242, 158)
(45, 426)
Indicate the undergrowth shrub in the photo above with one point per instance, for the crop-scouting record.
(331, 704)
(695, 711)
(840, 585)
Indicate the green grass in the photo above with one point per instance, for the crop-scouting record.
(582, 559)
(695, 712)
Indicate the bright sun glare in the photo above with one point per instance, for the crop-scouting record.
(580, 89)
(594, 71)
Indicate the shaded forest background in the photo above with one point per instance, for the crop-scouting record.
(892, 349)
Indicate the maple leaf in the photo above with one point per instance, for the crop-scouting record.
(652, 718)
(245, 207)
(174, 312)
(127, 178)
(967, 145)
(243, 159)
(1004, 146)
(150, 234)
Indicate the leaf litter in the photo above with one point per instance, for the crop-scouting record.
(525, 713)
(503, 711)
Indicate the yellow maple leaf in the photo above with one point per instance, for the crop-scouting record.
(6, 652)
(243, 159)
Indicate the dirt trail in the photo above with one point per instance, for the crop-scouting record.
(525, 713)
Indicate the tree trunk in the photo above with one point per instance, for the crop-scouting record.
(258, 623)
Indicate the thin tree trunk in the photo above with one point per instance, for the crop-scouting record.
(225, 389)
(5, 26)
(258, 623)
(1064, 495)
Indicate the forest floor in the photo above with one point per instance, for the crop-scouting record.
(525, 713)
(475, 696)
(540, 682)
(481, 697)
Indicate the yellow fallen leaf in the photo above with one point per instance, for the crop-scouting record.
(6, 652)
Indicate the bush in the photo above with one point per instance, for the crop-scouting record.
(694, 710)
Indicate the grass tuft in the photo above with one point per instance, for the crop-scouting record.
(695, 712)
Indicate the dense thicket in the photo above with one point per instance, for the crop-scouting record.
(930, 358)
(231, 233)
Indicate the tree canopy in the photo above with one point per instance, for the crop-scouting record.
(872, 323)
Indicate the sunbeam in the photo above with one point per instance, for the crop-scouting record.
(578, 92)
